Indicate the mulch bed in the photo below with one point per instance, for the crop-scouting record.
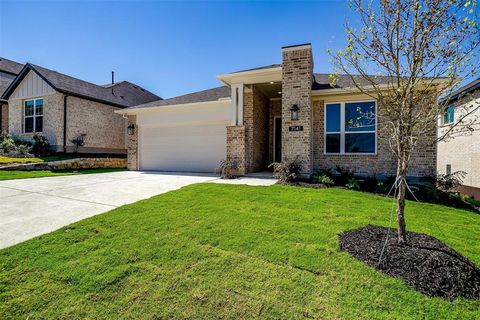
(305, 184)
(424, 263)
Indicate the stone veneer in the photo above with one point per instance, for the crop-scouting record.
(104, 129)
(297, 77)
(132, 144)
(79, 163)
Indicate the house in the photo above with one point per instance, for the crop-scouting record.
(74, 115)
(8, 72)
(272, 113)
(462, 152)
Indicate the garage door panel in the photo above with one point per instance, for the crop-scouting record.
(195, 148)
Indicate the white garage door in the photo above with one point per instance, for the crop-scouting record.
(189, 148)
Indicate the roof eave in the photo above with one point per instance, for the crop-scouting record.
(253, 76)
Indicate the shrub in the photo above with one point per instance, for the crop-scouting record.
(227, 169)
(353, 184)
(23, 150)
(286, 172)
(41, 146)
(343, 176)
(7, 143)
(323, 179)
(450, 182)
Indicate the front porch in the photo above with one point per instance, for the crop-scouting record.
(256, 141)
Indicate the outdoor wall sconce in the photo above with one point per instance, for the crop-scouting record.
(131, 129)
(294, 112)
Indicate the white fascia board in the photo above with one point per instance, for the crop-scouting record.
(133, 111)
(251, 77)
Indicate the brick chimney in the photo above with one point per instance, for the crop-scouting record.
(297, 78)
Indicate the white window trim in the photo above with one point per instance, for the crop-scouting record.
(342, 131)
(34, 115)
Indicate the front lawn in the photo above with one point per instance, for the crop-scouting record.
(10, 175)
(213, 251)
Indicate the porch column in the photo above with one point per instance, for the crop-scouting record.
(297, 78)
(237, 104)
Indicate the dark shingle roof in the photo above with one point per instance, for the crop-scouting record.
(322, 81)
(464, 90)
(200, 96)
(121, 95)
(10, 66)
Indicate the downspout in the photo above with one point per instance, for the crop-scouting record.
(65, 123)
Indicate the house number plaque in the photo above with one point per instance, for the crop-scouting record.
(295, 128)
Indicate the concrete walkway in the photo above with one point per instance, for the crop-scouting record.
(31, 207)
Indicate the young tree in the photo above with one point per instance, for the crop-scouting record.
(420, 48)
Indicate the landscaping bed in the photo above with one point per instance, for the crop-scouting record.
(424, 263)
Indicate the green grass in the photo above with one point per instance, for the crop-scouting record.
(10, 175)
(10, 160)
(212, 251)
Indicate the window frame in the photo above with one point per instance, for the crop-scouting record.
(343, 132)
(445, 113)
(34, 116)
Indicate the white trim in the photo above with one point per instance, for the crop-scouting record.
(34, 116)
(274, 131)
(133, 111)
(253, 76)
(342, 131)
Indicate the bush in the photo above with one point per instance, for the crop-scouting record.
(7, 143)
(41, 146)
(344, 175)
(227, 169)
(450, 182)
(323, 179)
(22, 150)
(353, 184)
(286, 172)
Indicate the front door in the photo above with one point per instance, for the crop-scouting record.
(277, 140)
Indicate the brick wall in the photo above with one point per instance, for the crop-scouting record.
(256, 117)
(297, 76)
(132, 144)
(104, 129)
(236, 147)
(384, 162)
(462, 151)
(3, 117)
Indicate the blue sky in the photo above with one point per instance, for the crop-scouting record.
(169, 48)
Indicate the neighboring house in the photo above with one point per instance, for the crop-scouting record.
(8, 72)
(273, 113)
(74, 115)
(462, 152)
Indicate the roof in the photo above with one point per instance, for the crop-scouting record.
(123, 94)
(277, 65)
(464, 90)
(322, 81)
(200, 96)
(10, 66)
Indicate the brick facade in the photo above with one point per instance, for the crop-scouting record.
(383, 163)
(236, 147)
(3, 117)
(462, 150)
(104, 129)
(297, 77)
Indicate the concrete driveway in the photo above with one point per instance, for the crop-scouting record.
(31, 207)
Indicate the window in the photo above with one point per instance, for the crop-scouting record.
(449, 115)
(33, 116)
(350, 128)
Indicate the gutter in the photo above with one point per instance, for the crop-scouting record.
(65, 123)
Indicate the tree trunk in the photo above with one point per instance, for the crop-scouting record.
(401, 176)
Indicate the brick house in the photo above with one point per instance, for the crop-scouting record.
(462, 152)
(273, 113)
(74, 115)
